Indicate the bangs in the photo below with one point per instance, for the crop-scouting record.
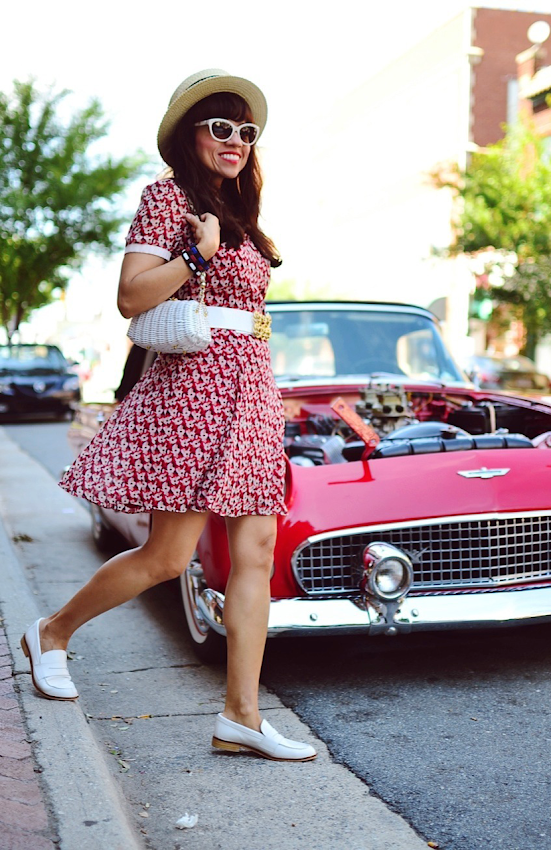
(221, 105)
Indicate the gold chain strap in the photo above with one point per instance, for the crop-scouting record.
(202, 278)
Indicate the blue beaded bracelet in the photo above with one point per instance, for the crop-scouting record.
(195, 260)
(194, 268)
(204, 264)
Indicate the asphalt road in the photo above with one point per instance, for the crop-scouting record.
(451, 730)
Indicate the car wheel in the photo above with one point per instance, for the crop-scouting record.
(105, 537)
(208, 645)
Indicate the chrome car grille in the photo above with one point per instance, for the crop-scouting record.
(456, 553)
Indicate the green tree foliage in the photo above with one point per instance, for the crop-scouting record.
(504, 203)
(290, 290)
(282, 290)
(504, 197)
(57, 200)
(528, 292)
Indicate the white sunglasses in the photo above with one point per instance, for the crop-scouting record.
(222, 130)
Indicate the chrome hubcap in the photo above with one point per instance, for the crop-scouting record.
(194, 585)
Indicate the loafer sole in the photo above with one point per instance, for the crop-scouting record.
(232, 747)
(27, 653)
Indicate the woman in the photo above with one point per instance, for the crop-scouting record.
(199, 433)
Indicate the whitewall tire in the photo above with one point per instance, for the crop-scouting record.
(208, 645)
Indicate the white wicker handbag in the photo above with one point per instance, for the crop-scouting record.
(174, 327)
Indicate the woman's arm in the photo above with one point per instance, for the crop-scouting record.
(147, 280)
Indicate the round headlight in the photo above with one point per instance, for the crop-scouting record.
(71, 384)
(388, 572)
(389, 577)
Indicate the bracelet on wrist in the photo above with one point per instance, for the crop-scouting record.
(195, 259)
(193, 266)
(198, 257)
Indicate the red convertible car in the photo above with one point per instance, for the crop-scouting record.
(415, 500)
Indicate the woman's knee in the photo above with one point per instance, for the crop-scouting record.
(252, 539)
(173, 569)
(258, 555)
(163, 563)
(171, 543)
(266, 545)
(165, 569)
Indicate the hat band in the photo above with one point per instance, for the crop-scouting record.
(202, 80)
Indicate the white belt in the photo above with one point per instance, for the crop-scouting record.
(233, 320)
(255, 324)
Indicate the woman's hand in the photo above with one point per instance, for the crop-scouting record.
(206, 230)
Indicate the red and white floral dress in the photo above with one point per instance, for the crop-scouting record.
(203, 431)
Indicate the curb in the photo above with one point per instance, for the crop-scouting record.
(86, 805)
(89, 809)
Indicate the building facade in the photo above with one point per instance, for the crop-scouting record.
(449, 94)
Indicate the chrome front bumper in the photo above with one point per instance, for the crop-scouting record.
(305, 616)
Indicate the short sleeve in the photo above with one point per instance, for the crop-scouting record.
(158, 223)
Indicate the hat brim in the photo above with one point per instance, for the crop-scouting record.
(250, 93)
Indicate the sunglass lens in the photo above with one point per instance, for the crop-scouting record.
(222, 130)
(248, 133)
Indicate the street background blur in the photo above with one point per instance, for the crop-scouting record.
(364, 103)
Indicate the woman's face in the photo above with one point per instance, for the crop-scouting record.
(225, 160)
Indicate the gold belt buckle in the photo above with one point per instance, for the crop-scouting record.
(262, 326)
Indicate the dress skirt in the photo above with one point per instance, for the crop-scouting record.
(201, 431)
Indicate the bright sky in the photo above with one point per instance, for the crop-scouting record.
(305, 55)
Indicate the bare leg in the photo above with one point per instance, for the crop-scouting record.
(165, 555)
(246, 609)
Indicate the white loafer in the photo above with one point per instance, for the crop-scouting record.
(234, 737)
(48, 669)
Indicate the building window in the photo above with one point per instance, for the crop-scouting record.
(512, 101)
(539, 102)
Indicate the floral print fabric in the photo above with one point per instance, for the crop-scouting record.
(200, 431)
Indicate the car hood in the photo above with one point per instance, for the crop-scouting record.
(288, 383)
(410, 488)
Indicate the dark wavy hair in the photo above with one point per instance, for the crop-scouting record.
(237, 203)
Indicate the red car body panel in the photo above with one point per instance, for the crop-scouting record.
(390, 490)
(339, 495)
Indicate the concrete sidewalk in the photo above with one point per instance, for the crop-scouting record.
(24, 819)
(108, 779)
(72, 801)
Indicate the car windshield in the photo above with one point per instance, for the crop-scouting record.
(346, 342)
(24, 358)
(518, 364)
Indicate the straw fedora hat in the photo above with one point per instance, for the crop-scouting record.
(200, 85)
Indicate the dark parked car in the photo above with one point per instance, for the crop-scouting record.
(518, 374)
(36, 379)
